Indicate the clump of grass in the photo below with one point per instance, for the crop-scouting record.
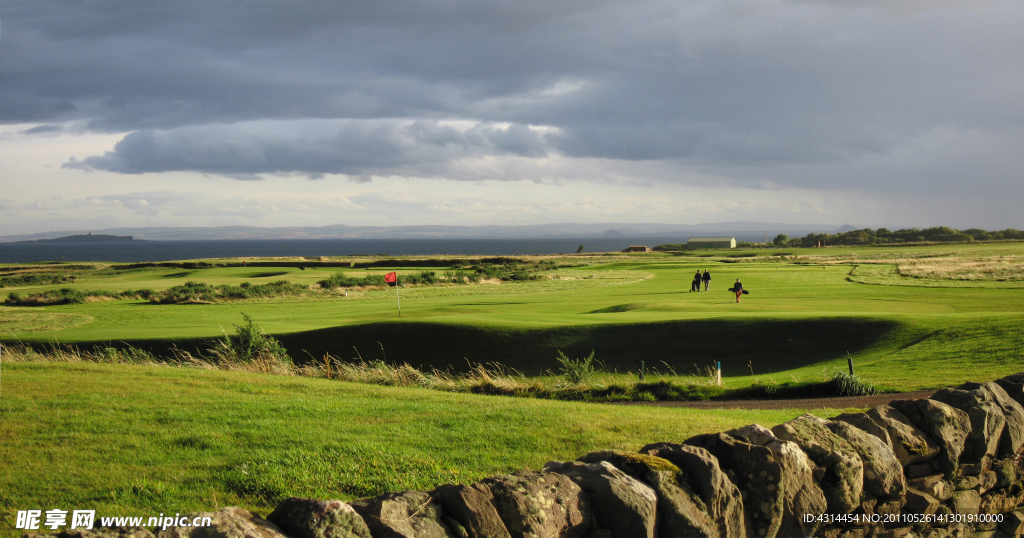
(480, 379)
(845, 384)
(376, 372)
(577, 371)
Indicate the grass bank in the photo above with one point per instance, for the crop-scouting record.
(129, 440)
(577, 379)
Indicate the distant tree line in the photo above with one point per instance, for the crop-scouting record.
(867, 236)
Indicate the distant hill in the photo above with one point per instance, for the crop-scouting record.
(87, 238)
(742, 231)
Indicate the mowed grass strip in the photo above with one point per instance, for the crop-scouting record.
(138, 440)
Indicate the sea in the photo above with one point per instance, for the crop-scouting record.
(156, 251)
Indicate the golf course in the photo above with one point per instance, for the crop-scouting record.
(128, 438)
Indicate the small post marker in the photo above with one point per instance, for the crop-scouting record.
(849, 362)
(718, 372)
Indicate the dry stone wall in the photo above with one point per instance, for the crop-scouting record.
(946, 467)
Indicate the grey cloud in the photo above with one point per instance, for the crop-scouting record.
(44, 129)
(792, 92)
(311, 147)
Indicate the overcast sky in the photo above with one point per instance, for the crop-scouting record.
(193, 113)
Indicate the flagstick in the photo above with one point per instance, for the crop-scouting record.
(399, 295)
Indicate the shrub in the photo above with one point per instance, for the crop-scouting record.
(339, 280)
(577, 371)
(250, 344)
(37, 279)
(200, 292)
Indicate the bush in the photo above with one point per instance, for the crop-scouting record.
(36, 279)
(250, 344)
(339, 280)
(201, 292)
(577, 371)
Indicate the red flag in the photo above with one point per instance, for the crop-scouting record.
(391, 277)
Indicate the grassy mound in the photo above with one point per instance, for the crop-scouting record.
(128, 440)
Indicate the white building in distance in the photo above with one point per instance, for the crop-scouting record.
(697, 243)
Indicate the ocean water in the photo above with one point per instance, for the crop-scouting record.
(189, 250)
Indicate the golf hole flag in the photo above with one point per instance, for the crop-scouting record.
(392, 278)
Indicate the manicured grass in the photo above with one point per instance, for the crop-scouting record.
(808, 310)
(140, 440)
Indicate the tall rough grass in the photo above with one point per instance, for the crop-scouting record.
(73, 296)
(36, 279)
(250, 349)
(201, 292)
(235, 353)
(845, 384)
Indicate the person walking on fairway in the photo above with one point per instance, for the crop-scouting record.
(695, 285)
(738, 288)
(706, 277)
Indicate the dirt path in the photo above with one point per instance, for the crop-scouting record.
(840, 402)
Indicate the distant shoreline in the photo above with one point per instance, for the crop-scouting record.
(89, 238)
(166, 250)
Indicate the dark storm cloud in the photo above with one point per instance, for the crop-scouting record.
(801, 93)
(44, 129)
(311, 147)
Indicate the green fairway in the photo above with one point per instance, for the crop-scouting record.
(128, 440)
(131, 440)
(910, 317)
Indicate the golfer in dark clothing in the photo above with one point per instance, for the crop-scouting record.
(706, 277)
(738, 288)
(695, 286)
